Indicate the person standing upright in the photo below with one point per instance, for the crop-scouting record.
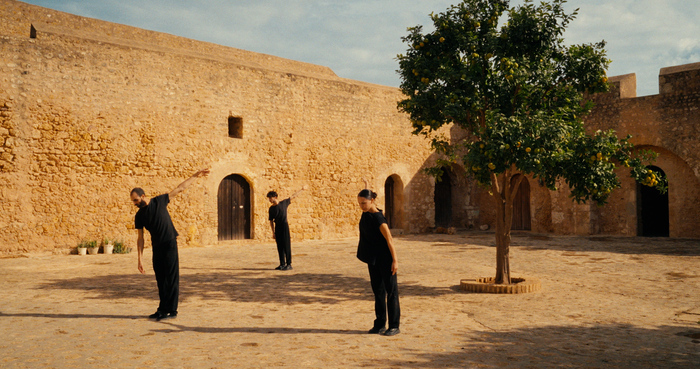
(376, 248)
(154, 216)
(280, 227)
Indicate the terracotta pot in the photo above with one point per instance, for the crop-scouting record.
(108, 248)
(93, 250)
(82, 250)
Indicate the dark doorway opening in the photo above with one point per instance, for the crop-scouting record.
(389, 201)
(234, 208)
(393, 201)
(652, 210)
(521, 205)
(443, 200)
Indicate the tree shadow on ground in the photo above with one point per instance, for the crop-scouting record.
(614, 244)
(242, 286)
(597, 243)
(600, 346)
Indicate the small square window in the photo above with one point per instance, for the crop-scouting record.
(235, 127)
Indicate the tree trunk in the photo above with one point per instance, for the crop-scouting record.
(503, 195)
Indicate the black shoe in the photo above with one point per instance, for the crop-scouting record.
(377, 330)
(280, 267)
(170, 315)
(392, 332)
(157, 315)
(287, 267)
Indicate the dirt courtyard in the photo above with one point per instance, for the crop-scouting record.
(606, 302)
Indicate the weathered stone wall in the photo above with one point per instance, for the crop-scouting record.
(90, 109)
(669, 124)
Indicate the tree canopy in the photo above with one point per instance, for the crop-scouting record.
(519, 92)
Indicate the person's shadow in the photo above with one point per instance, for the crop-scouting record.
(178, 328)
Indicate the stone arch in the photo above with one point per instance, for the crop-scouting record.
(620, 215)
(234, 208)
(394, 202)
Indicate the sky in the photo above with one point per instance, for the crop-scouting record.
(360, 39)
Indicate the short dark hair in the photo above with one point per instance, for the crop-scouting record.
(272, 194)
(367, 194)
(138, 190)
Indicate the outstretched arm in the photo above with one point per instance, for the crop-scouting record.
(188, 181)
(298, 192)
(366, 184)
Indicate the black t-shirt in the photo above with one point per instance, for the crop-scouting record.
(373, 248)
(278, 212)
(156, 219)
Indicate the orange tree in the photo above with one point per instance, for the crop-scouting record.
(520, 94)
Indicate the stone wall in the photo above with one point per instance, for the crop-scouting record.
(90, 109)
(667, 123)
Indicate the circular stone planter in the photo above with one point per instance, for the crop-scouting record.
(486, 285)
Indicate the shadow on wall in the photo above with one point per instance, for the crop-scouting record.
(241, 285)
(600, 346)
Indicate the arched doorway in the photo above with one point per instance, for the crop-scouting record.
(652, 210)
(234, 208)
(521, 205)
(393, 201)
(443, 200)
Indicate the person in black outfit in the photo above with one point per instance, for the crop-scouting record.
(153, 215)
(280, 228)
(376, 248)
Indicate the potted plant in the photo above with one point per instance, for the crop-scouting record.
(120, 248)
(107, 245)
(93, 247)
(82, 247)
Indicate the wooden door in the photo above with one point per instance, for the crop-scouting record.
(521, 205)
(234, 208)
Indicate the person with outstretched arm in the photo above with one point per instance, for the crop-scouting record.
(154, 216)
(280, 227)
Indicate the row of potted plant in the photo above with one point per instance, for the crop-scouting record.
(108, 247)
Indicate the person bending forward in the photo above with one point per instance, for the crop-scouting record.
(153, 215)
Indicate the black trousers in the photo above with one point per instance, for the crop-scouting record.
(386, 295)
(284, 243)
(166, 265)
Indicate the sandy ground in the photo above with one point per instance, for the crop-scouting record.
(606, 302)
